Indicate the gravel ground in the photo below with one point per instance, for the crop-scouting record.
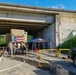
(13, 67)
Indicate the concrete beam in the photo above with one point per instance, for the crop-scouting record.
(28, 10)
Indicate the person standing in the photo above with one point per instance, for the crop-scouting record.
(14, 48)
(10, 46)
(22, 48)
(27, 45)
(18, 47)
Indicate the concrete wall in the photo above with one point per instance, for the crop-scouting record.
(18, 32)
(65, 25)
(26, 16)
(48, 33)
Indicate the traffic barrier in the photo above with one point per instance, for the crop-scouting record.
(40, 51)
(60, 53)
(57, 54)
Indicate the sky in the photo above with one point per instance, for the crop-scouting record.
(61, 4)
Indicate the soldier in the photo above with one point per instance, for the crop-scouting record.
(14, 48)
(27, 45)
(23, 47)
(10, 46)
(18, 47)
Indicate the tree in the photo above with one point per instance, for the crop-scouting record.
(2, 40)
(29, 37)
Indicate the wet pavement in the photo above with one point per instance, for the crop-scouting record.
(9, 66)
(31, 65)
(67, 64)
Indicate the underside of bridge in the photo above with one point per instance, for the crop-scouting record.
(30, 27)
(11, 17)
(38, 22)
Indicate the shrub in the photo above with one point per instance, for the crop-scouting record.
(29, 37)
(69, 43)
(2, 41)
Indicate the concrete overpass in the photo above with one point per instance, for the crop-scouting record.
(31, 19)
(54, 25)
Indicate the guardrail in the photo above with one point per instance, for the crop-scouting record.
(57, 53)
(45, 50)
(62, 50)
